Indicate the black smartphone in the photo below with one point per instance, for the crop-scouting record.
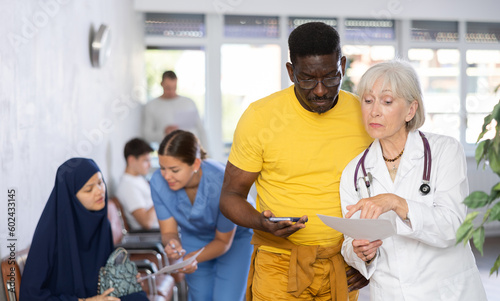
(279, 219)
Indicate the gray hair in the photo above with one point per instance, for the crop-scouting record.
(403, 80)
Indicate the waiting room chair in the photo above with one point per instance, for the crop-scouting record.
(134, 235)
(153, 248)
(143, 236)
(160, 288)
(12, 268)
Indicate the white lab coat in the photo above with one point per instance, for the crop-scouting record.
(420, 262)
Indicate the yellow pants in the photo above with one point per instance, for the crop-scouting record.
(271, 279)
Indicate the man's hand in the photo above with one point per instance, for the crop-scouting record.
(283, 228)
(355, 280)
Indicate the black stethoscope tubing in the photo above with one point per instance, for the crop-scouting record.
(424, 188)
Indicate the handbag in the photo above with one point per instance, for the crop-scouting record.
(119, 273)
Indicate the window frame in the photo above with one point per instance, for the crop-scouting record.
(214, 39)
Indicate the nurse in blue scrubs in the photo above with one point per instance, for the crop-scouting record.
(186, 191)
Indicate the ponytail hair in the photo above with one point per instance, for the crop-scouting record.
(182, 145)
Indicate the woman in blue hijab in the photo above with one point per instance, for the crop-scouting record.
(72, 239)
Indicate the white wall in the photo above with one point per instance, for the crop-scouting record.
(54, 105)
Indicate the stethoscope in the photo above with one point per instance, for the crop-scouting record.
(367, 177)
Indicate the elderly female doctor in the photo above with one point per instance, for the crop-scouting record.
(418, 182)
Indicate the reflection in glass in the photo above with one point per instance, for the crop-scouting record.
(434, 31)
(483, 32)
(366, 30)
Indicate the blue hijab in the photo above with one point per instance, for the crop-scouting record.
(70, 243)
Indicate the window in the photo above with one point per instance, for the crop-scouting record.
(248, 73)
(483, 76)
(438, 70)
(458, 63)
(457, 95)
(360, 58)
(368, 42)
(189, 66)
(250, 68)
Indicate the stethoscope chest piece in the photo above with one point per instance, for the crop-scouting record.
(367, 177)
(424, 189)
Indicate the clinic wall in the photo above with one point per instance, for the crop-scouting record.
(54, 105)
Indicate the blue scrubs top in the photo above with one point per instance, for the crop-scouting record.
(201, 219)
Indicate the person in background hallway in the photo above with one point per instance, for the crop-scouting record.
(170, 112)
(133, 191)
(294, 144)
(72, 240)
(186, 193)
(420, 262)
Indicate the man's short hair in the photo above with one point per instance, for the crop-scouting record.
(168, 74)
(313, 38)
(136, 147)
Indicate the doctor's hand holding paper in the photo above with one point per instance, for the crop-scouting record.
(416, 181)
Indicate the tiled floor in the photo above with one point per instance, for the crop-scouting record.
(484, 263)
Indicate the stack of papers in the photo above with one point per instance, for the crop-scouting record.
(369, 229)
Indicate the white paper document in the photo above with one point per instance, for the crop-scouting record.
(174, 267)
(369, 229)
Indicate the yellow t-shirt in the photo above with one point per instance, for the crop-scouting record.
(300, 156)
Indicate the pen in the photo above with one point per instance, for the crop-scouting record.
(172, 245)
